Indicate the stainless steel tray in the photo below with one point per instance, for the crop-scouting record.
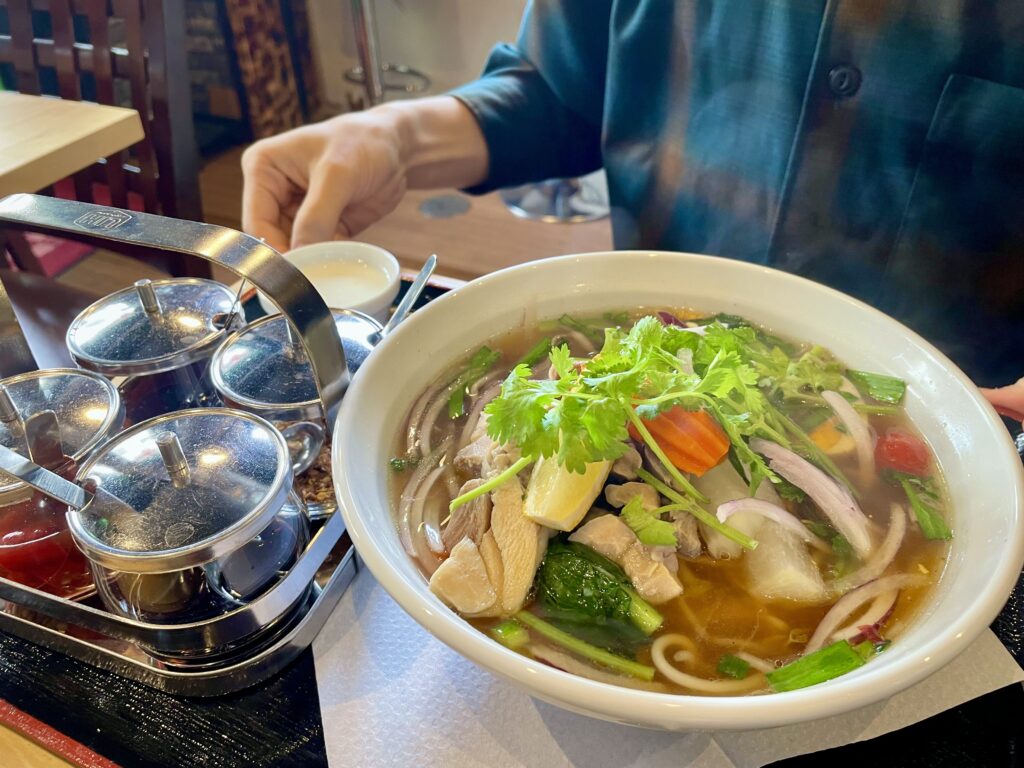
(248, 644)
(125, 658)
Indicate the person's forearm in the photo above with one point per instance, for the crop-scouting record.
(441, 143)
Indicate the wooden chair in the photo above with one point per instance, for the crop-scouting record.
(125, 53)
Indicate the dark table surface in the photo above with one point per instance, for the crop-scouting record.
(278, 723)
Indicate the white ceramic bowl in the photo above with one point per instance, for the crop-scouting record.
(983, 470)
(348, 275)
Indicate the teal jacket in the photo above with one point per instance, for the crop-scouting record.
(873, 145)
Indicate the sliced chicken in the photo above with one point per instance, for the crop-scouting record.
(646, 569)
(462, 582)
(627, 464)
(619, 496)
(471, 519)
(470, 460)
(687, 534)
(781, 568)
(521, 541)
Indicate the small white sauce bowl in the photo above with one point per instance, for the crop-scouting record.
(348, 275)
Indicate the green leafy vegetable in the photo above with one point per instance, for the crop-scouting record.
(537, 352)
(733, 666)
(511, 634)
(479, 364)
(887, 389)
(615, 636)
(830, 662)
(844, 558)
(648, 528)
(924, 500)
(586, 650)
(576, 583)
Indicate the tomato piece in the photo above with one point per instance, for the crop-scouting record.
(903, 452)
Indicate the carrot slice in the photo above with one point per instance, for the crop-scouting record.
(692, 440)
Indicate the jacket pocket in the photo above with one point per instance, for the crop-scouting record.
(956, 272)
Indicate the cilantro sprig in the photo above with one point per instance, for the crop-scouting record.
(736, 373)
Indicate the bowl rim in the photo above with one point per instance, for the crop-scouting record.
(621, 704)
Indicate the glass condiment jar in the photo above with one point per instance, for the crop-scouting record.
(36, 548)
(264, 369)
(197, 515)
(160, 334)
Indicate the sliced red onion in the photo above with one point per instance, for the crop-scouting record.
(859, 433)
(772, 512)
(873, 617)
(883, 556)
(834, 501)
(474, 414)
(431, 527)
(667, 318)
(853, 600)
(412, 537)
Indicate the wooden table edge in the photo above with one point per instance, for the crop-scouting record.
(50, 739)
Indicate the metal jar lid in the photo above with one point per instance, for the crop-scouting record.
(153, 326)
(181, 490)
(264, 369)
(87, 406)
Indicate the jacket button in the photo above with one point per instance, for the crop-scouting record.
(844, 80)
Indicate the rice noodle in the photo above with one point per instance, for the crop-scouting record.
(412, 537)
(566, 663)
(859, 433)
(834, 500)
(756, 662)
(772, 512)
(876, 613)
(483, 381)
(883, 556)
(853, 600)
(692, 682)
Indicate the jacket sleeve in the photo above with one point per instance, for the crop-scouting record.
(539, 102)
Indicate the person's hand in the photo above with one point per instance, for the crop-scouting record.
(1008, 401)
(334, 179)
(324, 181)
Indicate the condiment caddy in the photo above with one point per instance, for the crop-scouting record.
(210, 573)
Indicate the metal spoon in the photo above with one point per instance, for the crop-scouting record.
(407, 302)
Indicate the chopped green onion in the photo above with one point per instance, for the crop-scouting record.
(875, 409)
(648, 528)
(686, 505)
(511, 634)
(733, 666)
(887, 389)
(399, 464)
(479, 364)
(586, 650)
(928, 517)
(826, 664)
(537, 352)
